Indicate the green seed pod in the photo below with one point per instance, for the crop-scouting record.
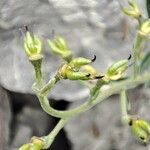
(80, 61)
(70, 74)
(144, 125)
(139, 133)
(133, 10)
(60, 47)
(67, 72)
(117, 70)
(32, 46)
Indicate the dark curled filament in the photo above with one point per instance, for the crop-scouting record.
(92, 60)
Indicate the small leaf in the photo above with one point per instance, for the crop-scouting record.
(145, 64)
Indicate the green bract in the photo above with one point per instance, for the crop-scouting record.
(132, 10)
(59, 46)
(32, 46)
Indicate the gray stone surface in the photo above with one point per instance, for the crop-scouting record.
(91, 27)
(36, 118)
(101, 129)
(5, 118)
(23, 135)
(29, 122)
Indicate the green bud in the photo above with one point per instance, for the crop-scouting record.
(66, 72)
(32, 46)
(80, 61)
(72, 75)
(59, 46)
(90, 69)
(117, 70)
(144, 125)
(132, 10)
(25, 147)
(138, 129)
(145, 28)
(35, 144)
(38, 143)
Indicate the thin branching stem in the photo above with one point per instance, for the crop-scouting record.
(103, 94)
(50, 137)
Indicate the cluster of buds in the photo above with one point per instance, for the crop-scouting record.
(60, 47)
(33, 49)
(32, 46)
(144, 30)
(133, 10)
(35, 144)
(117, 70)
(140, 129)
(78, 69)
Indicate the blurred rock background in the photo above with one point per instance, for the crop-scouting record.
(90, 27)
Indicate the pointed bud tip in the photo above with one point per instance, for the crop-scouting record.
(88, 75)
(99, 77)
(92, 60)
(130, 56)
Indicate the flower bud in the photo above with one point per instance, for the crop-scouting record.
(36, 144)
(117, 70)
(132, 10)
(80, 61)
(139, 133)
(144, 125)
(59, 46)
(66, 72)
(90, 69)
(32, 46)
(145, 28)
(140, 129)
(25, 147)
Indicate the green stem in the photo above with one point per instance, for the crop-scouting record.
(113, 89)
(38, 72)
(48, 87)
(50, 138)
(96, 89)
(124, 104)
(38, 75)
(137, 48)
